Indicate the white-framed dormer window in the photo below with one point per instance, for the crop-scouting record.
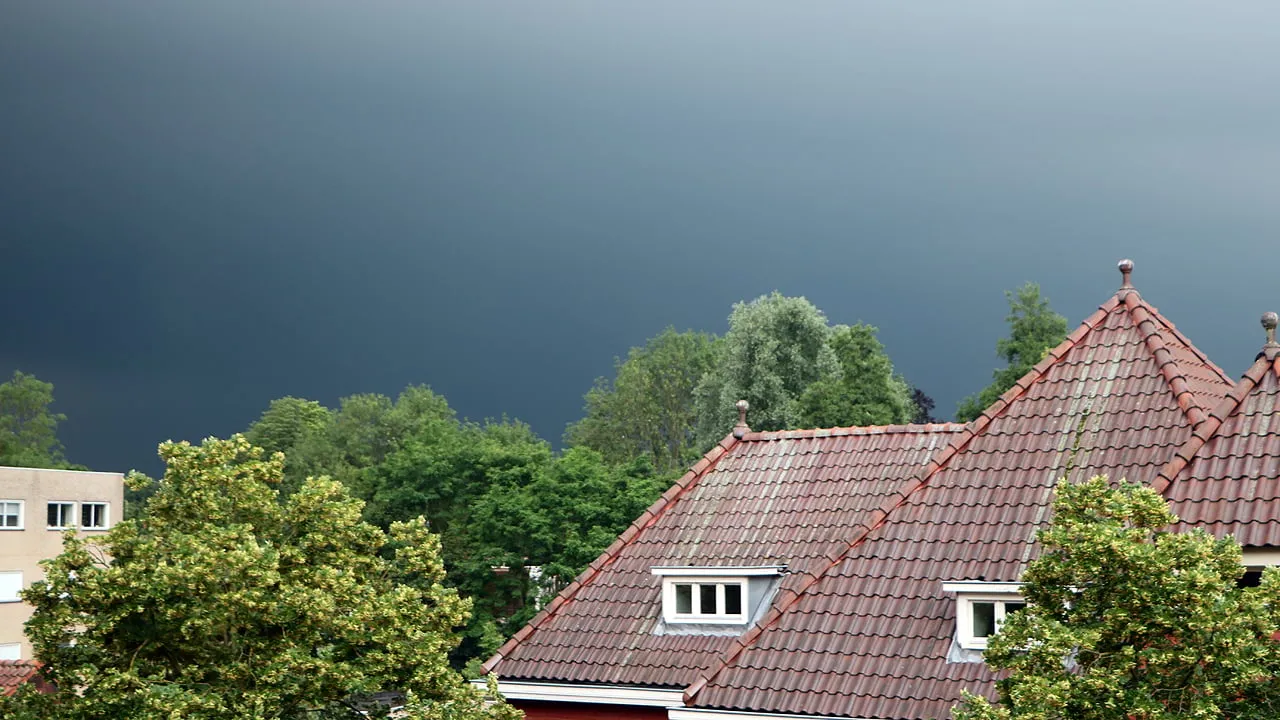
(981, 609)
(61, 515)
(10, 586)
(10, 514)
(93, 516)
(714, 595)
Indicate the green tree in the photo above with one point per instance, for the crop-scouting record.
(1034, 329)
(775, 348)
(28, 429)
(226, 601)
(866, 391)
(1127, 621)
(648, 409)
(286, 422)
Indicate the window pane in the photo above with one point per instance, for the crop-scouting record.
(55, 513)
(1012, 607)
(684, 599)
(984, 619)
(733, 599)
(10, 651)
(707, 599)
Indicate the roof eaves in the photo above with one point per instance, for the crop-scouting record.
(785, 602)
(687, 481)
(1218, 415)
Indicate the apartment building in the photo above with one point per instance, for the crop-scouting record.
(36, 506)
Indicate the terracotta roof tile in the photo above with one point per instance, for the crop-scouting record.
(1112, 399)
(15, 673)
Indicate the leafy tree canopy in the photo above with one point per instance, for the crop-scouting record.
(1127, 621)
(866, 391)
(28, 429)
(1034, 329)
(648, 410)
(775, 348)
(225, 601)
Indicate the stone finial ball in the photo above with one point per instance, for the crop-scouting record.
(1269, 320)
(742, 405)
(1126, 266)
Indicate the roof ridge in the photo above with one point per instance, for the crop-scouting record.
(686, 481)
(804, 433)
(1141, 315)
(1186, 341)
(1216, 417)
(912, 485)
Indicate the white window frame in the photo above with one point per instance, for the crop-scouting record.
(10, 574)
(21, 514)
(75, 511)
(720, 577)
(10, 651)
(105, 516)
(970, 592)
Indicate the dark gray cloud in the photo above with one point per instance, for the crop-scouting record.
(205, 206)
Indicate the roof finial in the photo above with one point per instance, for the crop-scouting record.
(1126, 268)
(1269, 321)
(741, 428)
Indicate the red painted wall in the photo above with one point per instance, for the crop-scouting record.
(581, 711)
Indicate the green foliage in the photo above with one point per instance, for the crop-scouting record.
(226, 601)
(1034, 329)
(648, 410)
(28, 430)
(775, 348)
(1128, 621)
(286, 422)
(865, 391)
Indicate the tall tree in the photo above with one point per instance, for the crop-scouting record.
(775, 348)
(866, 391)
(923, 407)
(1127, 621)
(286, 422)
(648, 409)
(1034, 329)
(28, 428)
(226, 601)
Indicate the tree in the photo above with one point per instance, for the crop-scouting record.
(226, 601)
(923, 407)
(865, 391)
(1128, 621)
(286, 422)
(1034, 329)
(28, 430)
(648, 409)
(775, 348)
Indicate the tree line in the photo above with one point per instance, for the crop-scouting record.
(516, 519)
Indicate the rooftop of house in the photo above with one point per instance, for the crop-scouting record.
(871, 521)
(16, 673)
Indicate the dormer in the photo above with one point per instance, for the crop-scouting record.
(981, 608)
(722, 596)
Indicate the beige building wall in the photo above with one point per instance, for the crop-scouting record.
(22, 548)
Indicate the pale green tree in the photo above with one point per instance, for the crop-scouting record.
(1128, 621)
(866, 391)
(648, 409)
(225, 601)
(775, 348)
(28, 428)
(1034, 329)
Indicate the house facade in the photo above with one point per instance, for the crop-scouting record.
(36, 507)
(857, 572)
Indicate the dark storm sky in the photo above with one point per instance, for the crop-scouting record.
(204, 206)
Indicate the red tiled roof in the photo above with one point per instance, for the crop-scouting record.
(871, 637)
(15, 673)
(1226, 479)
(769, 498)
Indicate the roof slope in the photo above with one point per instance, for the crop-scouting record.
(769, 498)
(15, 673)
(870, 638)
(1226, 479)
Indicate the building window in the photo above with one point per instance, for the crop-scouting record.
(982, 608)
(10, 514)
(10, 586)
(696, 595)
(62, 515)
(93, 516)
(10, 651)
